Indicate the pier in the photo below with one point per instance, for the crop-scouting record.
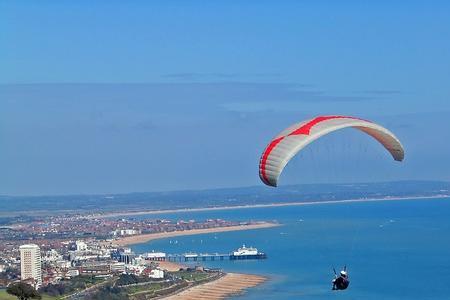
(211, 257)
(240, 254)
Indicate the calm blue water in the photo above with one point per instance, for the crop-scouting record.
(393, 250)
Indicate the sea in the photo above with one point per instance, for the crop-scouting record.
(392, 249)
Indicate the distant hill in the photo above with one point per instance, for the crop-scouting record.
(15, 205)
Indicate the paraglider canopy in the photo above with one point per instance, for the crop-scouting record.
(294, 138)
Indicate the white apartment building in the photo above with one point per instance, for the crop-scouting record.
(30, 263)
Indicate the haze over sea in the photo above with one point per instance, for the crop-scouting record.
(393, 249)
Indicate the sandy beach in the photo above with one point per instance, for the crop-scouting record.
(230, 284)
(143, 238)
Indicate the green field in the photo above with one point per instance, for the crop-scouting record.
(191, 275)
(5, 296)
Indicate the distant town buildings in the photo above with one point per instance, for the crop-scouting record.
(126, 256)
(118, 267)
(123, 232)
(75, 245)
(51, 231)
(30, 263)
(81, 246)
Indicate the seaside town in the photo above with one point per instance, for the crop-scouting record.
(86, 257)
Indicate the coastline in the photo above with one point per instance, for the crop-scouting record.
(282, 204)
(228, 285)
(143, 238)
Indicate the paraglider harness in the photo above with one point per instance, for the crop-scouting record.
(340, 282)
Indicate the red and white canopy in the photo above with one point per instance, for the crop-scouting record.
(293, 139)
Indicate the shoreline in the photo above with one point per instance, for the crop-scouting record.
(228, 285)
(144, 238)
(282, 204)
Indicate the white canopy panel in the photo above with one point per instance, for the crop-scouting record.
(293, 139)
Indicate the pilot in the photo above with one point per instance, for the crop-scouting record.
(341, 282)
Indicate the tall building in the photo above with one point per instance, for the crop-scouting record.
(30, 263)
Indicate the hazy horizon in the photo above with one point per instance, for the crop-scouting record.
(262, 188)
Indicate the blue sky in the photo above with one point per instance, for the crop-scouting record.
(113, 96)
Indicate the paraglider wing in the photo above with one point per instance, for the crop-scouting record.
(293, 139)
